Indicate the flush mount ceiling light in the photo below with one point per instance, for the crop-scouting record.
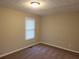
(35, 4)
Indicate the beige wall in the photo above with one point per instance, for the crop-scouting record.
(1, 31)
(12, 30)
(61, 30)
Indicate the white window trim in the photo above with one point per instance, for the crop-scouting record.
(30, 29)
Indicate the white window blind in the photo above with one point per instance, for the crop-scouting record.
(29, 28)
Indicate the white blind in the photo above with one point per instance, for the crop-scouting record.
(29, 28)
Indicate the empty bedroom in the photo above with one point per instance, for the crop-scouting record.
(39, 29)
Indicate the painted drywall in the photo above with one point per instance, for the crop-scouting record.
(12, 29)
(1, 40)
(61, 30)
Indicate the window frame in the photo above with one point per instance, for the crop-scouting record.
(30, 18)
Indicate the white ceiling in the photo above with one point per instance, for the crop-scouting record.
(46, 7)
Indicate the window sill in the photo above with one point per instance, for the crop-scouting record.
(29, 39)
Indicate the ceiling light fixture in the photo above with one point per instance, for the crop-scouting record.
(35, 4)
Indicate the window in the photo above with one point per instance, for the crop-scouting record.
(29, 28)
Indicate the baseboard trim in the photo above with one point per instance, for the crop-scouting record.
(5, 54)
(61, 47)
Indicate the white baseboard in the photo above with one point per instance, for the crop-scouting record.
(5, 54)
(61, 47)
